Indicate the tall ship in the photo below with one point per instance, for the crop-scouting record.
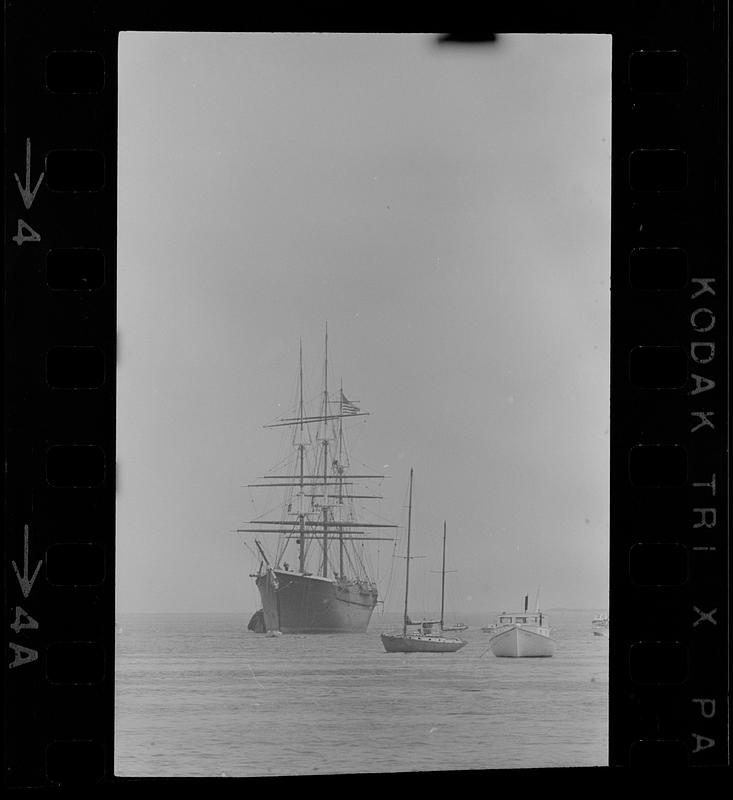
(314, 574)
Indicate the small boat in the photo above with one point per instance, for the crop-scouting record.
(427, 638)
(257, 622)
(521, 635)
(458, 626)
(600, 625)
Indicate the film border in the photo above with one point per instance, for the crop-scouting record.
(669, 523)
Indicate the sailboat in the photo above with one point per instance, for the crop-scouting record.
(456, 626)
(423, 639)
(328, 588)
(521, 634)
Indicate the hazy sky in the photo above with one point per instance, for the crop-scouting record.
(447, 211)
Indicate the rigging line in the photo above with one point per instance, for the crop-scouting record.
(373, 562)
(279, 552)
(393, 559)
(358, 556)
(276, 507)
(368, 466)
(285, 460)
(283, 497)
(361, 561)
(365, 561)
(375, 514)
(353, 568)
(390, 577)
(253, 552)
(258, 515)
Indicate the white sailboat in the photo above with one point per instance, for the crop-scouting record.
(424, 639)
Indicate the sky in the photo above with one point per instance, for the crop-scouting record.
(446, 211)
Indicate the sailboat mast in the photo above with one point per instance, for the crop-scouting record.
(442, 584)
(325, 460)
(341, 477)
(301, 551)
(407, 568)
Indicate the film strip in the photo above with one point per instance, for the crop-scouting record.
(668, 518)
(669, 424)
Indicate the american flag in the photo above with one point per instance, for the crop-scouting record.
(347, 406)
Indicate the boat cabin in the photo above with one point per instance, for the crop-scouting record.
(428, 627)
(520, 618)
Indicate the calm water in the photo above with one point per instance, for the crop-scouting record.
(199, 695)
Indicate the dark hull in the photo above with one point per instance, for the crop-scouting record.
(416, 643)
(296, 603)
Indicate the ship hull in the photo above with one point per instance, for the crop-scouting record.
(297, 603)
(521, 642)
(396, 643)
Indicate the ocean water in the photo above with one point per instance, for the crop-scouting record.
(199, 695)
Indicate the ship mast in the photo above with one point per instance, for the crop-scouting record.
(341, 477)
(442, 584)
(407, 568)
(301, 446)
(327, 484)
(325, 460)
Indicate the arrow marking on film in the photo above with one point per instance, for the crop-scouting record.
(25, 584)
(25, 191)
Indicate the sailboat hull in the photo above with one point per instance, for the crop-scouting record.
(522, 642)
(296, 603)
(397, 643)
